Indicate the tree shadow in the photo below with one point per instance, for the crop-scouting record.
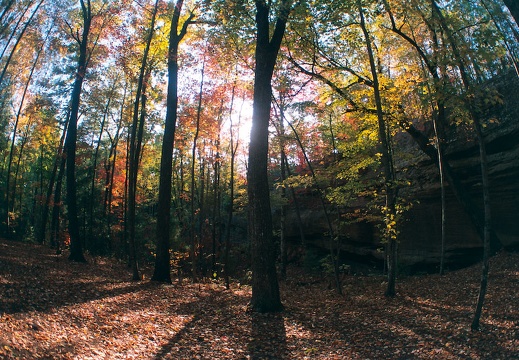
(268, 337)
(211, 328)
(38, 281)
(167, 350)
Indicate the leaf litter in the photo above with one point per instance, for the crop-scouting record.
(51, 308)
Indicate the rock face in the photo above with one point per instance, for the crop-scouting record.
(420, 237)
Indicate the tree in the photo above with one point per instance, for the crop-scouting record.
(137, 131)
(478, 127)
(442, 93)
(233, 148)
(265, 287)
(177, 33)
(76, 250)
(194, 241)
(387, 163)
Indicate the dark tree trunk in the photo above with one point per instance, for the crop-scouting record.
(94, 171)
(227, 239)
(139, 117)
(193, 211)
(476, 120)
(133, 167)
(17, 169)
(56, 206)
(110, 169)
(487, 228)
(265, 286)
(283, 176)
(386, 160)
(216, 229)
(162, 265)
(477, 217)
(76, 250)
(283, 240)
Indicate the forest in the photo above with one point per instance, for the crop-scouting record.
(267, 180)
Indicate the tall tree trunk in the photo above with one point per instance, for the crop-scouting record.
(216, 221)
(162, 265)
(464, 198)
(125, 232)
(227, 240)
(487, 226)
(439, 149)
(112, 159)
(477, 122)
(193, 210)
(76, 250)
(25, 138)
(216, 230)
(56, 203)
(135, 156)
(265, 286)
(135, 146)
(386, 159)
(283, 174)
(94, 169)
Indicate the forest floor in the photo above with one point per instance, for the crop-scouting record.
(53, 309)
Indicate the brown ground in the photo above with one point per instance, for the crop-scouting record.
(53, 309)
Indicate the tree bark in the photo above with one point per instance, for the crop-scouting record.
(476, 120)
(56, 205)
(94, 169)
(139, 117)
(110, 169)
(76, 250)
(265, 286)
(283, 215)
(195, 240)
(216, 228)
(386, 159)
(477, 217)
(162, 265)
(227, 239)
